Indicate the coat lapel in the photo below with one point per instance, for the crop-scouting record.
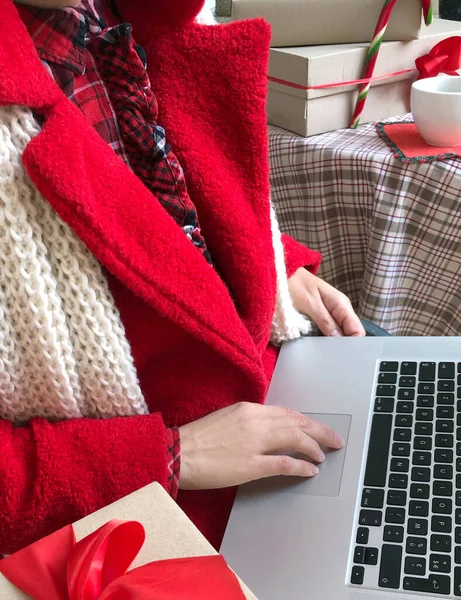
(211, 85)
(131, 234)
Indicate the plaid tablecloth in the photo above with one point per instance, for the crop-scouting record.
(390, 232)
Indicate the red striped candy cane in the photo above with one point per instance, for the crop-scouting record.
(373, 51)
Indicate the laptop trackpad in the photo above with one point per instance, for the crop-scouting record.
(328, 481)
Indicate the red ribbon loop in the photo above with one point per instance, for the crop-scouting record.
(445, 58)
(58, 568)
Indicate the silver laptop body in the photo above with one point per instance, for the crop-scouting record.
(300, 540)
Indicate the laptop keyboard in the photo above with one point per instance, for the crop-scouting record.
(408, 535)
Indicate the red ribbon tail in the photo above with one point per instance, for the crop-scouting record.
(206, 577)
(40, 569)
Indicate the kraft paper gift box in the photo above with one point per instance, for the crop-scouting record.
(169, 533)
(314, 22)
(315, 111)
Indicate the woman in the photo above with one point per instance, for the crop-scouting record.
(137, 311)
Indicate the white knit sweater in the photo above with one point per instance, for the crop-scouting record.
(63, 350)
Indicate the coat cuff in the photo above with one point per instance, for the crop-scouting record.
(297, 255)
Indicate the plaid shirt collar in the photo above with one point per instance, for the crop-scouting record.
(60, 36)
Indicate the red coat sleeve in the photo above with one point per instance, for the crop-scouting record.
(55, 474)
(297, 255)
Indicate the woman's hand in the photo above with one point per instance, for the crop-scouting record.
(330, 309)
(245, 442)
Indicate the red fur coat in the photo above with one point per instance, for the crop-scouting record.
(196, 349)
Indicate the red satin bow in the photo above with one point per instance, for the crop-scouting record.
(57, 568)
(445, 57)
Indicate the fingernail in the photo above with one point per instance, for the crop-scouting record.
(315, 470)
(339, 440)
(321, 457)
(336, 333)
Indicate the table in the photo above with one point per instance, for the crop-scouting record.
(389, 232)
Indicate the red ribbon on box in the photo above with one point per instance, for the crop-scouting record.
(58, 568)
(445, 57)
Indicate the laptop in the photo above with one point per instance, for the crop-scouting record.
(382, 520)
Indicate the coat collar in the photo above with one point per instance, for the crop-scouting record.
(116, 216)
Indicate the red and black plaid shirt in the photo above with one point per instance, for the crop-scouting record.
(97, 64)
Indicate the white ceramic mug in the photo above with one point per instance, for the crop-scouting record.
(436, 108)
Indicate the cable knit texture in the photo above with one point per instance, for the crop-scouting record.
(63, 350)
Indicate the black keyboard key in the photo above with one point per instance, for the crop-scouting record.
(395, 516)
(441, 524)
(458, 465)
(393, 533)
(458, 516)
(404, 407)
(444, 440)
(458, 419)
(390, 567)
(420, 491)
(440, 563)
(444, 426)
(422, 459)
(371, 556)
(378, 450)
(440, 543)
(372, 498)
(436, 584)
(424, 414)
(458, 481)
(443, 488)
(407, 382)
(402, 435)
(415, 565)
(458, 434)
(385, 405)
(457, 535)
(406, 394)
(400, 465)
(418, 508)
(457, 581)
(386, 390)
(400, 449)
(358, 575)
(422, 443)
(420, 474)
(446, 398)
(387, 378)
(441, 455)
(363, 533)
(423, 428)
(397, 481)
(446, 370)
(371, 518)
(417, 526)
(359, 555)
(458, 449)
(426, 388)
(396, 498)
(416, 545)
(408, 368)
(442, 506)
(445, 412)
(458, 393)
(389, 367)
(425, 401)
(443, 472)
(458, 555)
(458, 498)
(427, 371)
(446, 386)
(403, 421)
